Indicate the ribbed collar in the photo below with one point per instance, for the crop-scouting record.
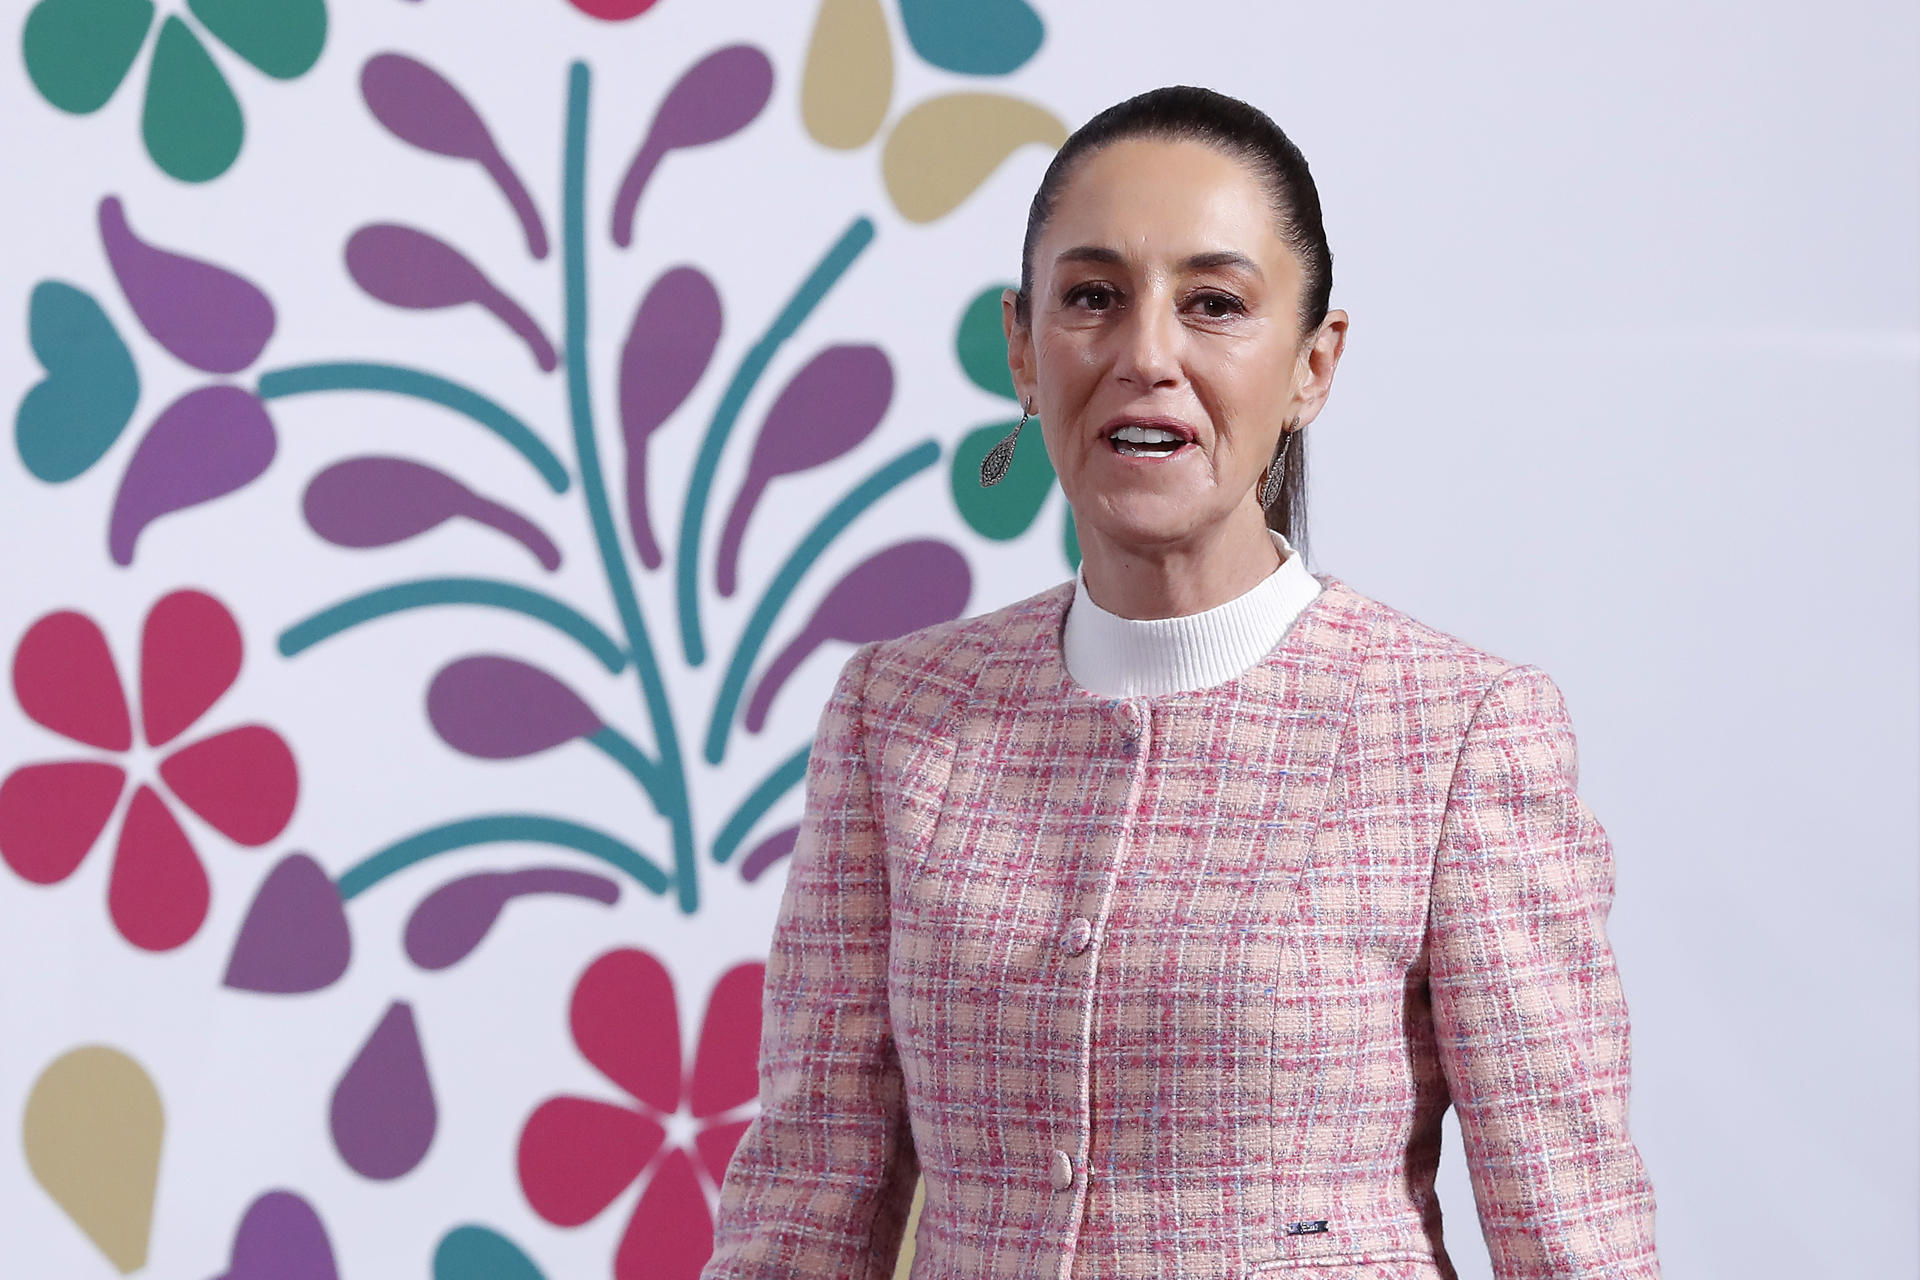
(1140, 657)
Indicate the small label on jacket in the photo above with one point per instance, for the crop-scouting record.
(1313, 1228)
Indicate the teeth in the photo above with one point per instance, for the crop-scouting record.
(1148, 435)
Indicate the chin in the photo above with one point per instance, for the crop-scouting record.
(1141, 520)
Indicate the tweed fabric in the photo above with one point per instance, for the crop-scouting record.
(1182, 985)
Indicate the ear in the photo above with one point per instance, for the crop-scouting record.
(1313, 375)
(1019, 347)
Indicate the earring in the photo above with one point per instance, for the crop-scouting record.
(993, 467)
(1277, 469)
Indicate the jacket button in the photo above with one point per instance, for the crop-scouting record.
(1079, 933)
(1062, 1171)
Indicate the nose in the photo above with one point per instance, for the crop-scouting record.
(1148, 339)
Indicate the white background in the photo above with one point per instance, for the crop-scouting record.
(1631, 392)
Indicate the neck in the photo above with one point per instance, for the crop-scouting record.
(1172, 580)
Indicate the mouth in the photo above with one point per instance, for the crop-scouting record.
(1148, 437)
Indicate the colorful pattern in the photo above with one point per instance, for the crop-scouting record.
(1297, 913)
(709, 489)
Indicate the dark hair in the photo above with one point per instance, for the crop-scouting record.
(1187, 113)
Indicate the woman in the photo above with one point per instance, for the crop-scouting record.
(1155, 920)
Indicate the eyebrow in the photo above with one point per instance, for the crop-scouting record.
(1193, 262)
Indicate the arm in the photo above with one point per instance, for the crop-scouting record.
(820, 1183)
(1527, 1009)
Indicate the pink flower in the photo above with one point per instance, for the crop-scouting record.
(677, 1130)
(242, 781)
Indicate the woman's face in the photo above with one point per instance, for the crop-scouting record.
(1165, 308)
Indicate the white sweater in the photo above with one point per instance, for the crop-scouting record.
(1140, 657)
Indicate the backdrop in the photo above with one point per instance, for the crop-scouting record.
(453, 447)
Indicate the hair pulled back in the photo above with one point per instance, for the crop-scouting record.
(1188, 113)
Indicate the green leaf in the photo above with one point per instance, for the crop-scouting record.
(474, 1252)
(192, 121)
(78, 51)
(1009, 508)
(981, 344)
(282, 38)
(71, 417)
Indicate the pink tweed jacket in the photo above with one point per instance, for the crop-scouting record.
(1182, 985)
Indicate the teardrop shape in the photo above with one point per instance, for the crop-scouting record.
(208, 443)
(157, 893)
(281, 38)
(208, 316)
(78, 51)
(383, 1115)
(978, 38)
(281, 1238)
(942, 150)
(191, 121)
(980, 342)
(295, 937)
(474, 1252)
(71, 417)
(93, 1130)
(848, 82)
(500, 708)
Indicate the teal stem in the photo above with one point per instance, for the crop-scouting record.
(687, 555)
(755, 806)
(428, 592)
(672, 775)
(397, 380)
(810, 548)
(644, 769)
(518, 828)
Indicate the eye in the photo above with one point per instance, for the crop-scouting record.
(1097, 297)
(1218, 306)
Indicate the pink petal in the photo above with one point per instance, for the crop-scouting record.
(576, 1155)
(63, 675)
(189, 656)
(50, 815)
(627, 1024)
(726, 1068)
(671, 1234)
(716, 1144)
(158, 892)
(242, 781)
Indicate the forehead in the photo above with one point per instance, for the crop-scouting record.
(1155, 200)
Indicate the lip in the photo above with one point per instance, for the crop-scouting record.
(1186, 433)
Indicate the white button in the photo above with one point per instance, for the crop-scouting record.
(1062, 1170)
(1079, 933)
(1129, 717)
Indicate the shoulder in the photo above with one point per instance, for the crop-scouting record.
(1413, 662)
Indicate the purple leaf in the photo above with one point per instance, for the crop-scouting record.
(404, 267)
(452, 920)
(295, 937)
(208, 443)
(907, 586)
(674, 333)
(376, 502)
(383, 1114)
(205, 315)
(501, 709)
(825, 411)
(281, 1238)
(418, 105)
(715, 98)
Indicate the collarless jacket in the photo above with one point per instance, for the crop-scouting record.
(1182, 985)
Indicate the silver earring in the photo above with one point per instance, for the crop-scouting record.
(1277, 469)
(993, 467)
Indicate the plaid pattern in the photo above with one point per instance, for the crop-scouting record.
(1182, 985)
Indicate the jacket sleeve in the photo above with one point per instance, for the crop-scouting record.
(821, 1181)
(1528, 1014)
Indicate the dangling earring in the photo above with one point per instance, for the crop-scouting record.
(993, 467)
(1277, 469)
